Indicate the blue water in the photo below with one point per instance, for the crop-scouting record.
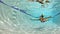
(13, 21)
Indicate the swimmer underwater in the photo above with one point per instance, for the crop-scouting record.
(41, 18)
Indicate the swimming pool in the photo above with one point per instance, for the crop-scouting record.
(16, 22)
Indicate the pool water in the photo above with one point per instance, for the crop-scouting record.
(16, 22)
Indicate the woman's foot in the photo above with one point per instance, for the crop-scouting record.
(40, 1)
(47, 1)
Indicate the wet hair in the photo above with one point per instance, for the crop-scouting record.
(42, 15)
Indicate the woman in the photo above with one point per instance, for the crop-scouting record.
(42, 19)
